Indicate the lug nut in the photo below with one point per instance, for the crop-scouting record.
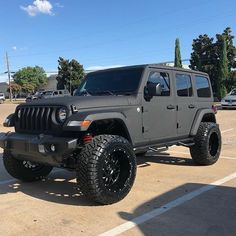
(53, 148)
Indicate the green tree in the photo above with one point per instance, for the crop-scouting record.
(206, 57)
(231, 49)
(70, 74)
(15, 88)
(223, 70)
(30, 77)
(63, 73)
(178, 62)
(203, 57)
(28, 88)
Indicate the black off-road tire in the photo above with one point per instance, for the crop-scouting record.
(206, 150)
(24, 170)
(106, 169)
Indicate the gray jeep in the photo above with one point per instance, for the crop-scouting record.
(115, 115)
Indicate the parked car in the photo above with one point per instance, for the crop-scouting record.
(48, 94)
(2, 98)
(115, 115)
(35, 96)
(229, 101)
(55, 93)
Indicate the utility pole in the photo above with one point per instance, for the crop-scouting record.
(9, 76)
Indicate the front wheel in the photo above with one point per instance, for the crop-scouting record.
(25, 170)
(106, 169)
(206, 150)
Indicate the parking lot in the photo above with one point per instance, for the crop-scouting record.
(171, 196)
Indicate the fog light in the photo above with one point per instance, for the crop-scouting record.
(53, 148)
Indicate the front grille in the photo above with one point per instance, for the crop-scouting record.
(35, 118)
(230, 100)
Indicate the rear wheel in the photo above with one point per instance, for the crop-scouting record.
(206, 150)
(25, 170)
(106, 169)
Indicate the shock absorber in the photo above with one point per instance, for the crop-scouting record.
(87, 138)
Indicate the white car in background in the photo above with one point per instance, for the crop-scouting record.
(229, 101)
(2, 98)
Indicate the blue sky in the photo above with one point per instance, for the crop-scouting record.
(105, 33)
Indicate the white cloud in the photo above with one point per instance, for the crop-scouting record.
(57, 4)
(102, 67)
(37, 7)
(15, 48)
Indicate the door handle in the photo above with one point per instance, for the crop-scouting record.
(191, 106)
(170, 107)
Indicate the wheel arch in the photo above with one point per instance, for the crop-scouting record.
(203, 115)
(109, 123)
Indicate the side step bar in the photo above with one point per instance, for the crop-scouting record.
(161, 149)
(190, 144)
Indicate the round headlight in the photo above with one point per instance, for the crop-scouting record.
(19, 113)
(62, 115)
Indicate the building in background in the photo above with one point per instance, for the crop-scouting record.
(3, 88)
(51, 83)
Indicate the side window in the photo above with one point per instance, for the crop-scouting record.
(184, 85)
(202, 86)
(55, 93)
(60, 92)
(162, 78)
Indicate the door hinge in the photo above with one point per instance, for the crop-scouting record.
(177, 125)
(177, 108)
(142, 109)
(142, 129)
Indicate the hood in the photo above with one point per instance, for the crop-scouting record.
(83, 102)
(230, 97)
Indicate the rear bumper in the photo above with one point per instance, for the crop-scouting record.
(44, 149)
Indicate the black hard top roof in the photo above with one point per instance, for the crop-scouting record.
(154, 66)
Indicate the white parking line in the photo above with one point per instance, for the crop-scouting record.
(227, 130)
(159, 211)
(229, 158)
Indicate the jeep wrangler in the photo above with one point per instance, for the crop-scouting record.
(115, 115)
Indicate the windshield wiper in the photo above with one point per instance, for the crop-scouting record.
(85, 92)
(104, 92)
(125, 93)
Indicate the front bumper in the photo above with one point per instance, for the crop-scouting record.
(44, 149)
(228, 104)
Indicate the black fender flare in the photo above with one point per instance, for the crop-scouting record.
(198, 119)
(93, 117)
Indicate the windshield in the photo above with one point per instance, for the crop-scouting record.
(115, 82)
(48, 93)
(233, 92)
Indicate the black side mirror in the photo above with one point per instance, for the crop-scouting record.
(154, 89)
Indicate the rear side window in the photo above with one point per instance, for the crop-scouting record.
(202, 86)
(184, 85)
(163, 79)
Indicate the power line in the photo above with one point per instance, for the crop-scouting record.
(9, 76)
